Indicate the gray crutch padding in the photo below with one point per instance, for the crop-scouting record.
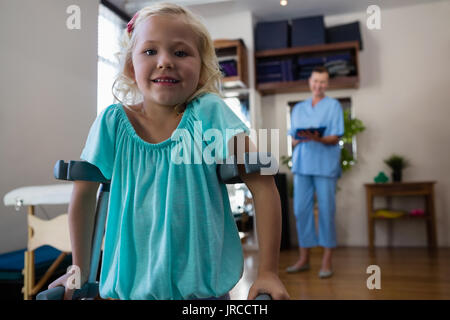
(261, 162)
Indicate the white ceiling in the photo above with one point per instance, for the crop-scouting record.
(270, 10)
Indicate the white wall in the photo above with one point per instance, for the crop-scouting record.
(48, 83)
(404, 101)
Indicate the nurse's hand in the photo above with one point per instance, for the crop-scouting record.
(308, 136)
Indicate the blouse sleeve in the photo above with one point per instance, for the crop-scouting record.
(100, 143)
(215, 114)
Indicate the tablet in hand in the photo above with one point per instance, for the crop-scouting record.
(298, 136)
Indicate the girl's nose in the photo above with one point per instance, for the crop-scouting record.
(165, 61)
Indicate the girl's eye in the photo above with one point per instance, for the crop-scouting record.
(180, 53)
(150, 52)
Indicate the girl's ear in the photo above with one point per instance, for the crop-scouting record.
(201, 80)
(129, 70)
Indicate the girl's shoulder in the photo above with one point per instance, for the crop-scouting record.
(206, 99)
(213, 112)
(109, 117)
(111, 109)
(208, 105)
(112, 113)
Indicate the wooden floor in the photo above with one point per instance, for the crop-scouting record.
(406, 273)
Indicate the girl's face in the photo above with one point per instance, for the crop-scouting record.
(166, 62)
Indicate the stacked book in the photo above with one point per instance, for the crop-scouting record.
(274, 71)
(339, 65)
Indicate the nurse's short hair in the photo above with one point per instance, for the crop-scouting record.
(320, 69)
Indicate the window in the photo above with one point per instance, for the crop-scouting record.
(240, 196)
(240, 107)
(110, 27)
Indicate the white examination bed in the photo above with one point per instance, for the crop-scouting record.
(54, 232)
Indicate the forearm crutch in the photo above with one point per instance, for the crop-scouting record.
(81, 170)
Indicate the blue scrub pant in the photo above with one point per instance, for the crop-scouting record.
(325, 189)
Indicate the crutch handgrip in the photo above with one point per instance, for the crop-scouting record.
(263, 296)
(56, 293)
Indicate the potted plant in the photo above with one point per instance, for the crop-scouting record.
(352, 126)
(397, 164)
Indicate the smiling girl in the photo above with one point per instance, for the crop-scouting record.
(170, 232)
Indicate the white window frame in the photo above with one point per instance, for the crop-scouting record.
(108, 40)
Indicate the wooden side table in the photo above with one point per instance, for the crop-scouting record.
(401, 189)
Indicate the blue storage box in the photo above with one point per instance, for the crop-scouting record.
(272, 35)
(344, 33)
(308, 31)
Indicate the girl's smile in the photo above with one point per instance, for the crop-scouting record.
(165, 81)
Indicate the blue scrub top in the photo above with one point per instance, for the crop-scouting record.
(315, 158)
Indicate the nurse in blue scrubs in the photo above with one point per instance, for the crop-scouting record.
(316, 168)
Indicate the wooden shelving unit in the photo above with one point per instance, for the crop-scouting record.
(235, 50)
(341, 82)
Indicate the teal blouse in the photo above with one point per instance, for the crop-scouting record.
(170, 232)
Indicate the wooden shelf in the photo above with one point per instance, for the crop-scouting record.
(303, 86)
(406, 216)
(234, 48)
(308, 49)
(338, 82)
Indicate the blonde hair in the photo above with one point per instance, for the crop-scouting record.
(125, 89)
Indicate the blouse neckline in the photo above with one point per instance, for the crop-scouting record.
(132, 131)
